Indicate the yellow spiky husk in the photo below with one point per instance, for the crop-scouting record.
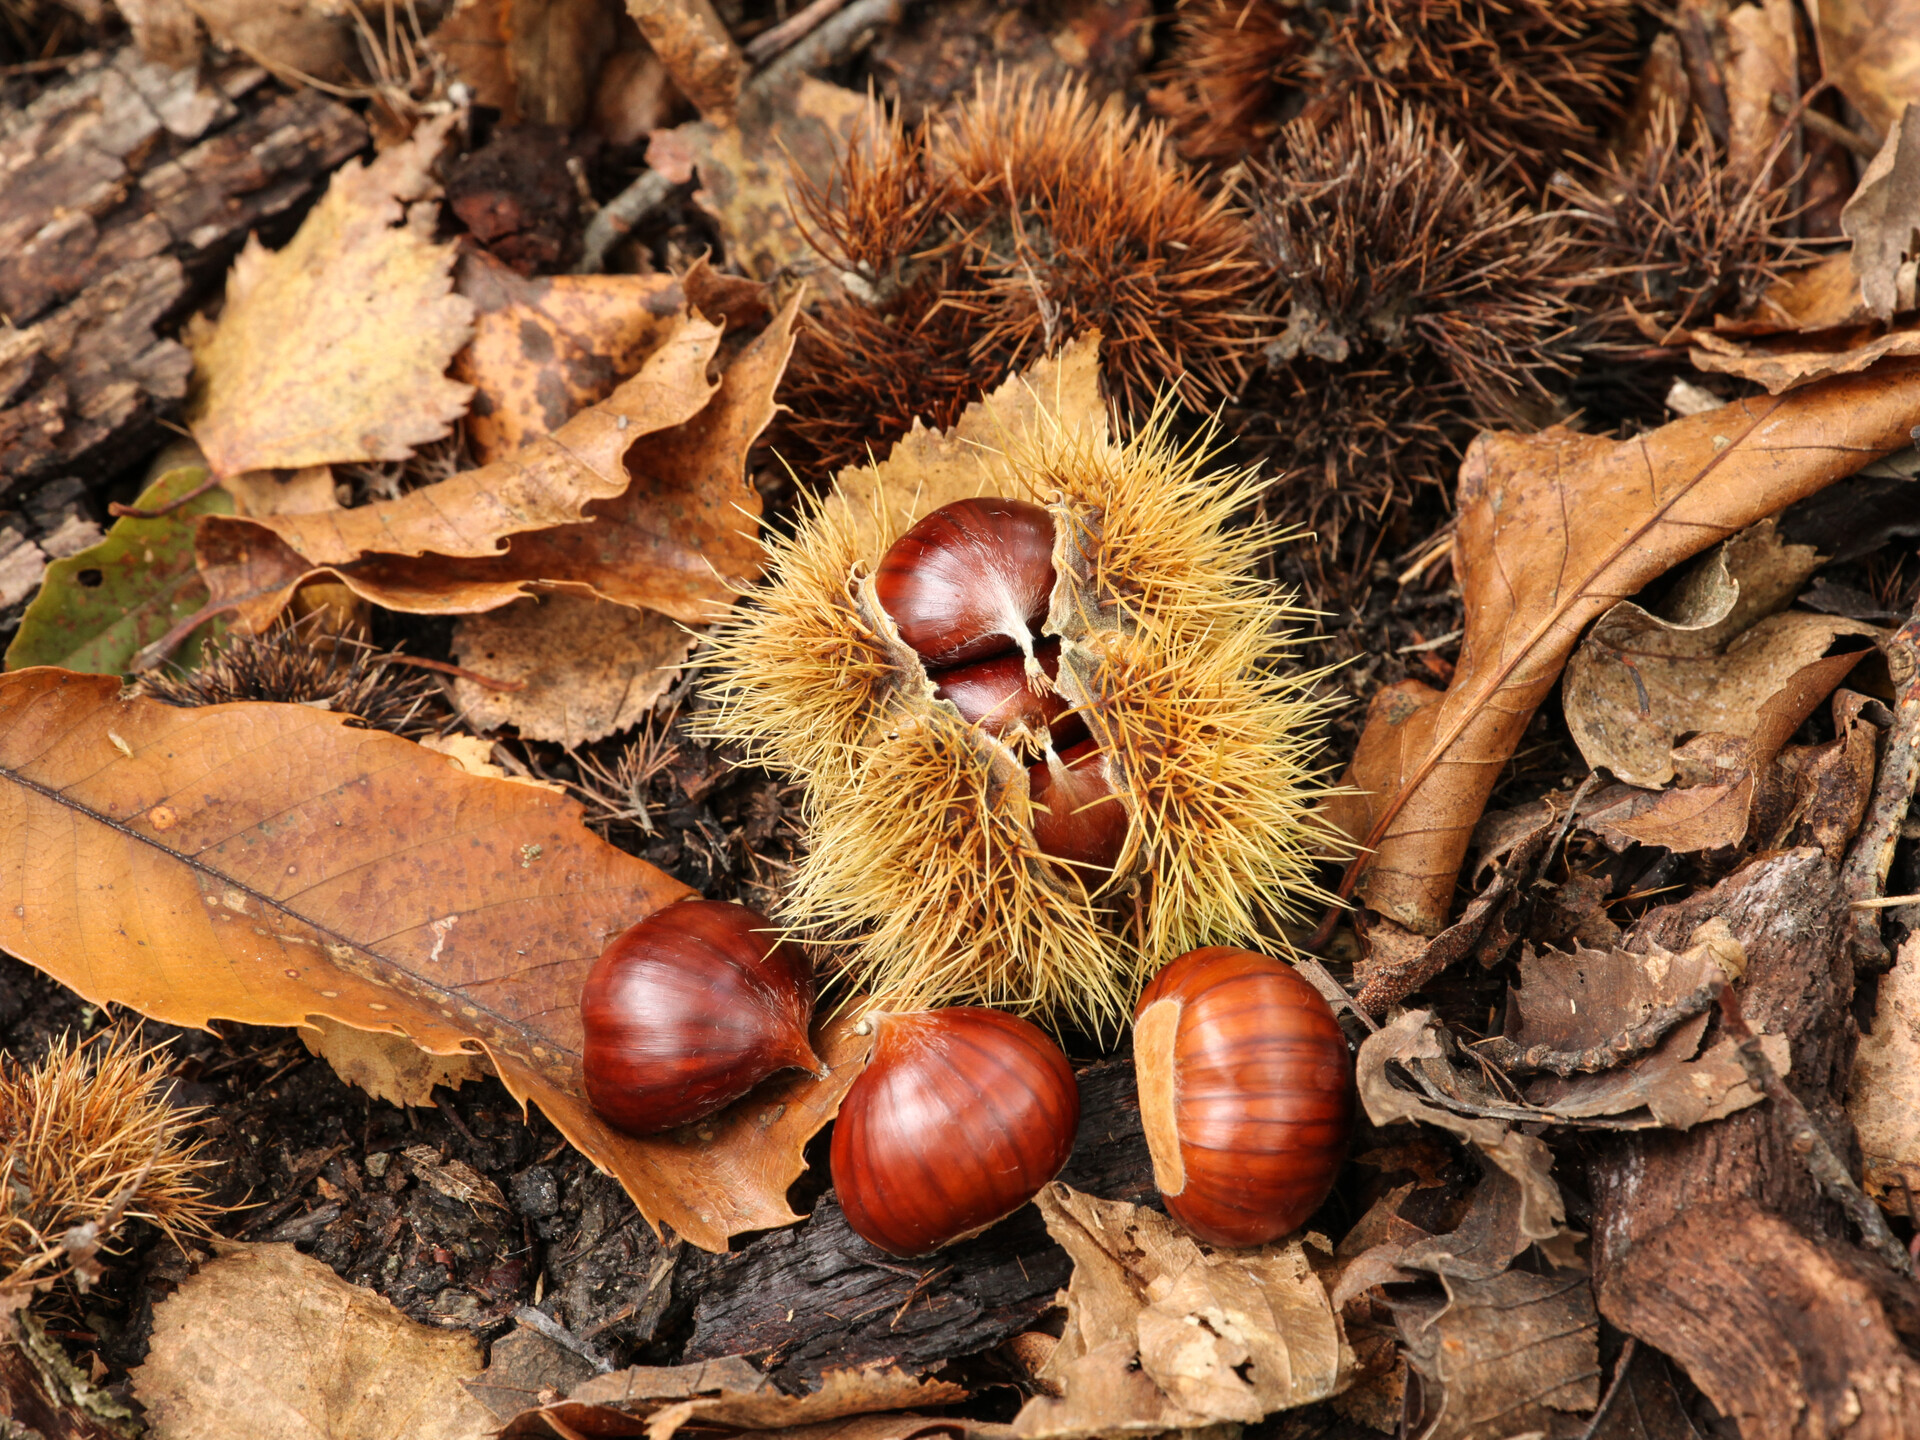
(922, 873)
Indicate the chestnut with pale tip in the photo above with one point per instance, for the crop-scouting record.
(688, 1010)
(959, 1118)
(1078, 817)
(971, 580)
(1246, 1094)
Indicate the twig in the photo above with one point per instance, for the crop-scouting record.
(769, 43)
(1829, 128)
(134, 512)
(420, 662)
(537, 1320)
(1863, 877)
(1630, 1043)
(619, 217)
(831, 43)
(1807, 1141)
(1613, 1389)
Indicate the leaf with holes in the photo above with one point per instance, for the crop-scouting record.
(95, 610)
(266, 863)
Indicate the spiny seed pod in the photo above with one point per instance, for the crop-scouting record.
(688, 1010)
(928, 868)
(1246, 1094)
(957, 1121)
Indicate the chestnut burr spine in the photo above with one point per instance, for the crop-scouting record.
(1253, 1075)
(971, 580)
(961, 1116)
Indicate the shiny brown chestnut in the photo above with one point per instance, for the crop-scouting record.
(1078, 818)
(688, 1010)
(1246, 1094)
(996, 695)
(959, 1118)
(972, 579)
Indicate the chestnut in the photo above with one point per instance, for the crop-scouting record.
(995, 695)
(959, 1118)
(1246, 1093)
(1078, 818)
(971, 580)
(688, 1010)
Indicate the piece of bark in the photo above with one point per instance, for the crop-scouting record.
(1720, 1235)
(852, 1305)
(124, 191)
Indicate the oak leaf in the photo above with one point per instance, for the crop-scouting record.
(266, 863)
(335, 348)
(271, 1344)
(1554, 529)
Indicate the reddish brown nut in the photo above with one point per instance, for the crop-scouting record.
(997, 696)
(972, 579)
(959, 1118)
(1078, 818)
(690, 1009)
(1246, 1094)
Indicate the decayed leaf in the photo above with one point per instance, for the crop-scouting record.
(1720, 659)
(98, 609)
(1501, 1354)
(1785, 364)
(335, 348)
(588, 668)
(1162, 1334)
(1831, 784)
(388, 1067)
(1555, 528)
(692, 40)
(1883, 1099)
(1872, 52)
(1882, 217)
(677, 537)
(1763, 81)
(546, 347)
(728, 1393)
(746, 169)
(268, 1343)
(265, 863)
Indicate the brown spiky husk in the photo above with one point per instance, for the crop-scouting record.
(1421, 297)
(1521, 82)
(987, 237)
(1233, 67)
(1673, 235)
(300, 663)
(89, 1137)
(922, 872)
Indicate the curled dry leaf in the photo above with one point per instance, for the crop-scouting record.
(1883, 215)
(642, 498)
(269, 1343)
(265, 863)
(1720, 659)
(1163, 1334)
(587, 668)
(729, 1394)
(1554, 529)
(335, 348)
(388, 1067)
(1883, 1099)
(1871, 50)
(546, 347)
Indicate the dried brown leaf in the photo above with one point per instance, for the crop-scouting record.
(1871, 49)
(1554, 529)
(335, 348)
(265, 863)
(1883, 216)
(692, 41)
(1785, 364)
(587, 668)
(1163, 1334)
(388, 1067)
(1884, 1099)
(546, 347)
(1763, 83)
(268, 1343)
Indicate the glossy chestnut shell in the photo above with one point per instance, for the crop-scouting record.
(997, 696)
(1246, 1094)
(1078, 817)
(959, 1118)
(971, 580)
(688, 1010)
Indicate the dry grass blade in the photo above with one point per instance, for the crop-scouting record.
(88, 1140)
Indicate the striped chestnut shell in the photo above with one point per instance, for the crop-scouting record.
(1246, 1094)
(959, 1118)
